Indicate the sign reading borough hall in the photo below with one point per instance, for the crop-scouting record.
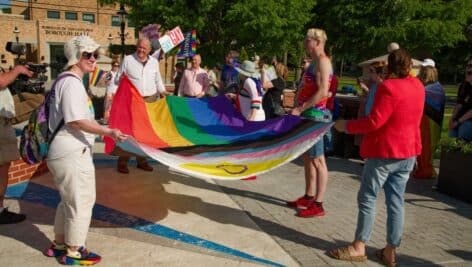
(65, 31)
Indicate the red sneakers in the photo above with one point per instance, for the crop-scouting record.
(301, 202)
(315, 209)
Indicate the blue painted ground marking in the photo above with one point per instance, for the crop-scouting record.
(46, 196)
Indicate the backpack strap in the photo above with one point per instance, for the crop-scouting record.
(52, 93)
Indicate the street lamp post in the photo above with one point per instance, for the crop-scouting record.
(110, 38)
(123, 16)
(16, 31)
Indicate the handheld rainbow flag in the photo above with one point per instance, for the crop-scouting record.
(430, 127)
(96, 76)
(207, 138)
(188, 48)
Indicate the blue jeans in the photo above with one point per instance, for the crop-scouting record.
(392, 175)
(463, 131)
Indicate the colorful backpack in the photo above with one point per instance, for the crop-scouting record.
(36, 136)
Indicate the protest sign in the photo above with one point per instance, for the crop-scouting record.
(171, 39)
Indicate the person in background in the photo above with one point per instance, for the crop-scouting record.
(8, 143)
(179, 71)
(368, 89)
(303, 68)
(312, 99)
(390, 145)
(249, 97)
(195, 80)
(272, 100)
(213, 76)
(432, 120)
(70, 154)
(143, 72)
(229, 75)
(460, 124)
(111, 88)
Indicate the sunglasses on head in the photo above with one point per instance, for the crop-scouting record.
(88, 55)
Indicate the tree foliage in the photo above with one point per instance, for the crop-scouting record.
(356, 29)
(362, 29)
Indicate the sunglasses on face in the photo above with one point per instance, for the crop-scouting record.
(88, 55)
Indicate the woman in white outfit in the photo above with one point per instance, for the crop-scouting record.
(249, 97)
(70, 154)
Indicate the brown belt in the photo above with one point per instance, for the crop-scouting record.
(150, 99)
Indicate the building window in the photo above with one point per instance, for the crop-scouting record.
(115, 20)
(88, 17)
(71, 15)
(54, 14)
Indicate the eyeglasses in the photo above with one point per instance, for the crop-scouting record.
(88, 55)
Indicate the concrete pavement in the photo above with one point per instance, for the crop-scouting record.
(163, 219)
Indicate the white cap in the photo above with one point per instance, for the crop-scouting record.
(392, 47)
(428, 62)
(74, 48)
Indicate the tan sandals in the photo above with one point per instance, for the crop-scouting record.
(344, 255)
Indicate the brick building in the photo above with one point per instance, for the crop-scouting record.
(44, 26)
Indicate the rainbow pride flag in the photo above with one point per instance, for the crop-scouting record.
(430, 129)
(96, 76)
(208, 137)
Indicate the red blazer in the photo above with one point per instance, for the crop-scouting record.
(392, 129)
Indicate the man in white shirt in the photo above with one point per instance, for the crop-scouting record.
(143, 72)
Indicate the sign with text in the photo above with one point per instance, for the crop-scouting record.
(151, 31)
(171, 39)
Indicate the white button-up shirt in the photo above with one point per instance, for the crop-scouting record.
(146, 77)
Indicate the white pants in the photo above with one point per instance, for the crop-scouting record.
(74, 176)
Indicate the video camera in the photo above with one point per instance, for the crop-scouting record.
(23, 83)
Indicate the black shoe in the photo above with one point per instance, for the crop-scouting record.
(7, 217)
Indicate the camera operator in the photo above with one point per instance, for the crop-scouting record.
(8, 145)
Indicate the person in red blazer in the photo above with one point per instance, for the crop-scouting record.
(391, 143)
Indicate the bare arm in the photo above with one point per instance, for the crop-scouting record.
(7, 78)
(95, 128)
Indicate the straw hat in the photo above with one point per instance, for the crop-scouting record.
(248, 68)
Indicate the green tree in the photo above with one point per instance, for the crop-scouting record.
(270, 27)
(361, 29)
